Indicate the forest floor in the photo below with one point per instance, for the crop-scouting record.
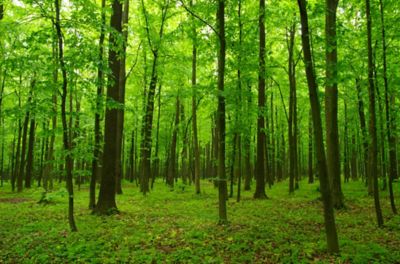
(181, 227)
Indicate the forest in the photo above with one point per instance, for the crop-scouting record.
(199, 131)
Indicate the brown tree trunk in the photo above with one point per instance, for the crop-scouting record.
(172, 156)
(30, 155)
(147, 123)
(292, 112)
(364, 135)
(329, 217)
(67, 145)
(21, 169)
(220, 120)
(389, 116)
(331, 104)
(194, 115)
(111, 155)
(260, 163)
(373, 147)
(99, 110)
(310, 150)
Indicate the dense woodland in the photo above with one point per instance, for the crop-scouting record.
(237, 98)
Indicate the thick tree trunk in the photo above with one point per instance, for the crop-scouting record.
(106, 202)
(260, 163)
(330, 227)
(373, 147)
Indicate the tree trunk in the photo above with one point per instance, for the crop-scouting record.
(389, 116)
(364, 134)
(99, 110)
(330, 227)
(292, 111)
(121, 100)
(172, 156)
(260, 163)
(106, 202)
(373, 147)
(30, 157)
(310, 150)
(331, 104)
(67, 145)
(220, 120)
(194, 117)
(21, 169)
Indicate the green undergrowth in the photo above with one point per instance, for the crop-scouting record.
(177, 226)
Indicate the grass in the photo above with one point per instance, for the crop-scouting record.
(181, 227)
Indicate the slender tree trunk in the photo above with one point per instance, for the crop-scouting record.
(121, 100)
(364, 135)
(238, 159)
(354, 169)
(373, 147)
(292, 111)
(156, 167)
(99, 110)
(330, 226)
(310, 150)
(220, 120)
(172, 156)
(21, 169)
(147, 123)
(389, 116)
(67, 145)
(346, 163)
(260, 163)
(194, 114)
(30, 157)
(331, 104)
(106, 202)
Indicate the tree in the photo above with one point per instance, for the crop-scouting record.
(330, 226)
(147, 122)
(373, 146)
(331, 104)
(99, 108)
(388, 114)
(260, 163)
(222, 186)
(111, 155)
(66, 130)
